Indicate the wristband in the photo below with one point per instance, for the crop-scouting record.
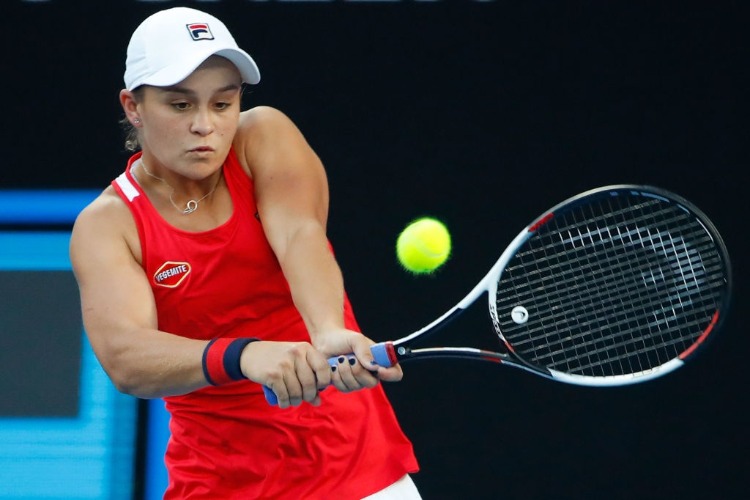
(221, 360)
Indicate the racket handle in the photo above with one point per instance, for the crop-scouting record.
(383, 353)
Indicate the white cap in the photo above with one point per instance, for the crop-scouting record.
(172, 43)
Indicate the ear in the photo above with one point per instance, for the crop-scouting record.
(129, 104)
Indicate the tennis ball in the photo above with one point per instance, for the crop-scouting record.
(423, 246)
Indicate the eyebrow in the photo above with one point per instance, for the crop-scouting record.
(184, 90)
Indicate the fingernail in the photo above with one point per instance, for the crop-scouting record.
(352, 361)
(342, 359)
(333, 368)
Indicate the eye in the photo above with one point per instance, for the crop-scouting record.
(181, 106)
(223, 105)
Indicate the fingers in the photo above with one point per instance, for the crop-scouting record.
(296, 371)
(361, 372)
(321, 368)
(309, 374)
(350, 375)
(342, 378)
(293, 371)
(392, 374)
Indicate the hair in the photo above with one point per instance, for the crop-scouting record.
(132, 144)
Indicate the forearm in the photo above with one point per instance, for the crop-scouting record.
(151, 364)
(315, 280)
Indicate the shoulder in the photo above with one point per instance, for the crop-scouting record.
(108, 206)
(105, 221)
(263, 116)
(268, 137)
(263, 126)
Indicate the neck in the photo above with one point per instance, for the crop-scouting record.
(191, 204)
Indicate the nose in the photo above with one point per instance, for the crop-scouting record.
(202, 122)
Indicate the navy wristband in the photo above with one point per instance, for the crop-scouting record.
(221, 360)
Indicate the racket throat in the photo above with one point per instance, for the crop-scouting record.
(397, 353)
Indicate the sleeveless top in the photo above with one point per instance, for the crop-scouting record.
(227, 441)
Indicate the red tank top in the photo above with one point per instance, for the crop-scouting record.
(227, 442)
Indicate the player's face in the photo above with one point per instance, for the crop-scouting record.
(188, 128)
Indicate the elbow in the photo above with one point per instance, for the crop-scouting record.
(127, 382)
(130, 380)
(125, 369)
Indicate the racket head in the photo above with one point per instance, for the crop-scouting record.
(617, 285)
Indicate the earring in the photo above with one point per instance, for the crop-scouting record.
(136, 121)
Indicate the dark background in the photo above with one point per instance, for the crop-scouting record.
(43, 362)
(483, 114)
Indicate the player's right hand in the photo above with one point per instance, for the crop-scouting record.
(294, 371)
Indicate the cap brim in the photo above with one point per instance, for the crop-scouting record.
(248, 69)
(181, 69)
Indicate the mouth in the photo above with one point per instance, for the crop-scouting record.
(202, 149)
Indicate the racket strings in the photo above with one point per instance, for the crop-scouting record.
(617, 286)
(600, 282)
(602, 291)
(558, 274)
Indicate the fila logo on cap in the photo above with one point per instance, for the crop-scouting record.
(200, 31)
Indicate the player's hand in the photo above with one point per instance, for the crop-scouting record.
(294, 371)
(361, 372)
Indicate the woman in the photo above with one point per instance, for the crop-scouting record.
(205, 272)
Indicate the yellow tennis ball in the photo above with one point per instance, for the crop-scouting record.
(423, 246)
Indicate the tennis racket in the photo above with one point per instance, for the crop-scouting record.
(614, 286)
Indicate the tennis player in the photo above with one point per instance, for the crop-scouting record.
(205, 272)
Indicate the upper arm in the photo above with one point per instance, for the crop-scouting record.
(291, 187)
(115, 295)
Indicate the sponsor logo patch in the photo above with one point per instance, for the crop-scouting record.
(171, 274)
(200, 31)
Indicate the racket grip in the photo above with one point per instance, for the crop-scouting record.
(383, 353)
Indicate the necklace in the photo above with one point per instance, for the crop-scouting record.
(192, 205)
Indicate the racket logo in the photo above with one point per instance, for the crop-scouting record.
(519, 315)
(171, 274)
(200, 31)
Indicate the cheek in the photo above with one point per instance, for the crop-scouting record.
(229, 131)
(163, 136)
(226, 135)
(226, 127)
(165, 128)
